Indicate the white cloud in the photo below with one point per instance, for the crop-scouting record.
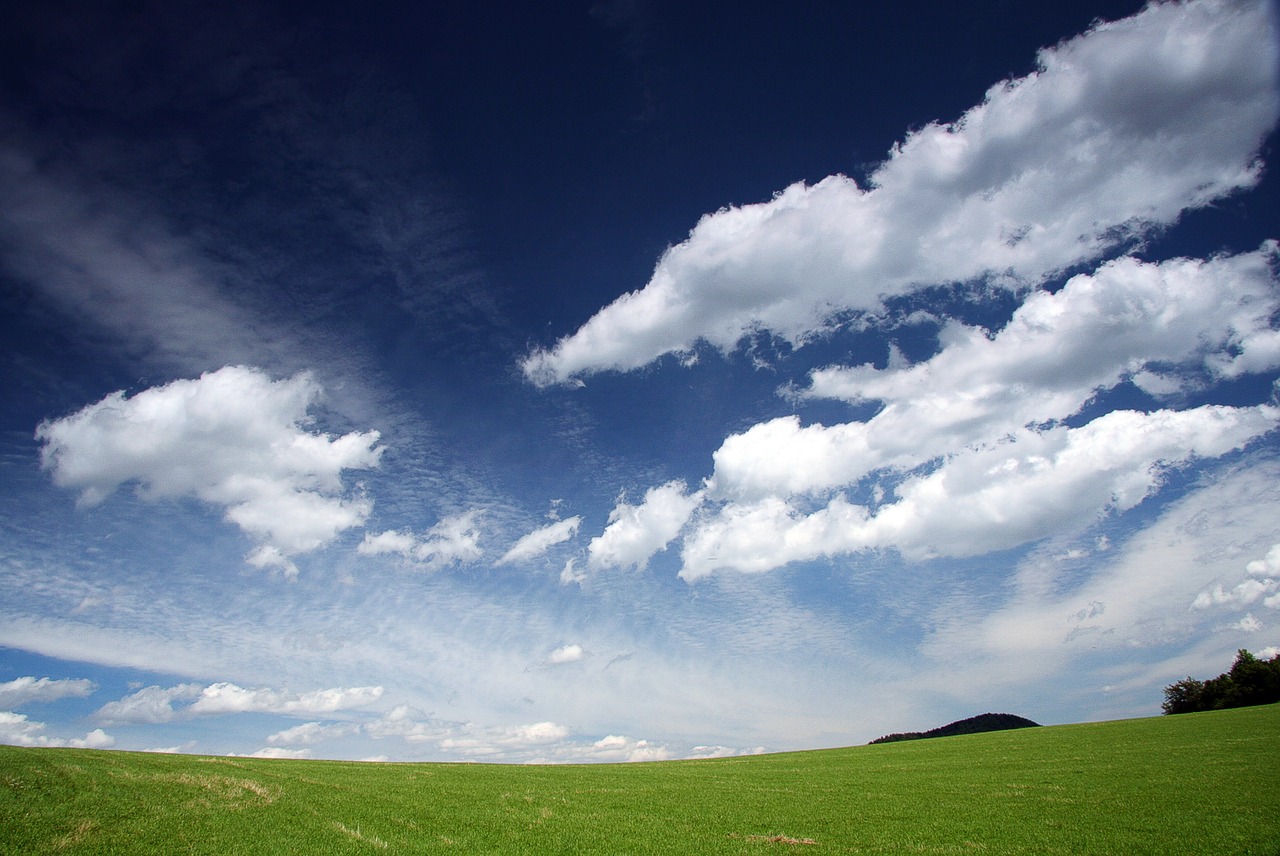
(148, 705)
(480, 743)
(278, 753)
(233, 438)
(1033, 484)
(636, 532)
(26, 690)
(566, 654)
(616, 747)
(1261, 583)
(454, 540)
(229, 698)
(538, 742)
(312, 732)
(1051, 358)
(1248, 624)
(156, 704)
(408, 724)
(1267, 566)
(540, 540)
(722, 752)
(17, 730)
(1133, 601)
(1119, 129)
(571, 573)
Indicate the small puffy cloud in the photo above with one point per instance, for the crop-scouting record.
(157, 704)
(1034, 483)
(571, 573)
(636, 532)
(1267, 566)
(540, 540)
(566, 654)
(452, 541)
(1261, 583)
(1248, 624)
(1118, 131)
(17, 730)
(27, 690)
(233, 438)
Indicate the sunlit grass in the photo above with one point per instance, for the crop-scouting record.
(1198, 783)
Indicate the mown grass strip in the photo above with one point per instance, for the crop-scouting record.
(1198, 783)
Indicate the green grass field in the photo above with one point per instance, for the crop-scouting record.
(1196, 783)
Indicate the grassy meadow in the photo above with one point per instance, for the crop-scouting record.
(1195, 783)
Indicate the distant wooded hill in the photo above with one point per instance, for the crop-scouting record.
(972, 725)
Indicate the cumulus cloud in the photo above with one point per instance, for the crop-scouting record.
(1024, 488)
(1261, 583)
(29, 689)
(17, 730)
(408, 724)
(617, 747)
(277, 752)
(233, 438)
(156, 704)
(480, 743)
(636, 532)
(452, 541)
(566, 654)
(540, 540)
(1119, 130)
(722, 752)
(537, 742)
(312, 732)
(1053, 356)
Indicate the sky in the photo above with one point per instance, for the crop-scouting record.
(629, 380)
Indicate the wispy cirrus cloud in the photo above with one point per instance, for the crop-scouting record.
(537, 542)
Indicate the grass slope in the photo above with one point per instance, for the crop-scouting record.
(1196, 783)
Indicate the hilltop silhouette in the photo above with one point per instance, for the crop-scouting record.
(972, 725)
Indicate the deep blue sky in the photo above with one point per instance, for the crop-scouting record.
(856, 457)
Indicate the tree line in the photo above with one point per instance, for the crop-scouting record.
(1250, 681)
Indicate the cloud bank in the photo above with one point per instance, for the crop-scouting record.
(155, 704)
(1118, 131)
(29, 689)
